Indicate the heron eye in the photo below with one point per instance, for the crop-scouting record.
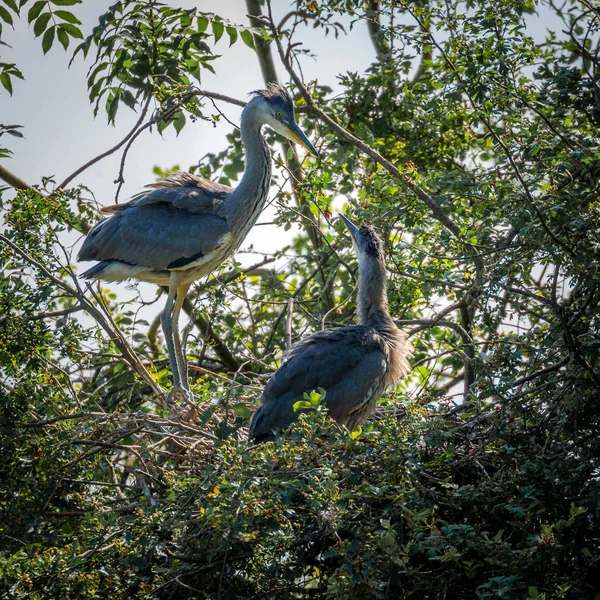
(279, 114)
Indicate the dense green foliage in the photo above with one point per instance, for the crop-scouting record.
(472, 146)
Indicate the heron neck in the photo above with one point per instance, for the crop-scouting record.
(248, 198)
(372, 302)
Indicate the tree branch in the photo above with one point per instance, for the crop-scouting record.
(104, 321)
(98, 158)
(16, 182)
(374, 26)
(269, 72)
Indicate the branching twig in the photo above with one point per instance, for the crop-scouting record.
(424, 196)
(288, 323)
(108, 152)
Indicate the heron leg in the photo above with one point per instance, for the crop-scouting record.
(182, 291)
(166, 322)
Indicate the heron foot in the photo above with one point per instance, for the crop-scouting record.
(180, 397)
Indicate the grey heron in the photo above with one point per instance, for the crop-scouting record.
(354, 364)
(184, 226)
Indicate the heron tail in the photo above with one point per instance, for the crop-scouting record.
(95, 271)
(260, 426)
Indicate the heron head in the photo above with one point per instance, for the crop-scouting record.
(276, 109)
(367, 244)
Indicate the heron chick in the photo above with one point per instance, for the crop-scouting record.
(185, 226)
(354, 365)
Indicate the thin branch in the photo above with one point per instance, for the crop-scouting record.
(288, 323)
(57, 313)
(205, 327)
(103, 320)
(110, 151)
(216, 96)
(540, 373)
(269, 72)
(375, 32)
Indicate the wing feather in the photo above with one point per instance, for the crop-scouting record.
(155, 236)
(347, 363)
(181, 190)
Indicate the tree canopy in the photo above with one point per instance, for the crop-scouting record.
(471, 144)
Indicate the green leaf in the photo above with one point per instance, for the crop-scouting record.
(218, 28)
(354, 434)
(48, 39)
(67, 16)
(128, 98)
(12, 5)
(73, 31)
(112, 105)
(248, 38)
(202, 24)
(40, 25)
(301, 405)
(63, 37)
(316, 396)
(241, 410)
(65, 2)
(5, 15)
(233, 35)
(35, 10)
(6, 82)
(161, 125)
(179, 122)
(194, 68)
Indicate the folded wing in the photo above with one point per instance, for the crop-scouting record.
(348, 363)
(173, 225)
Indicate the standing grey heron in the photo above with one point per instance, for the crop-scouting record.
(354, 365)
(185, 225)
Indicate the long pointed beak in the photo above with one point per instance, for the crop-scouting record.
(352, 228)
(298, 136)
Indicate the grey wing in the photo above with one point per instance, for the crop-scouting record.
(157, 236)
(181, 190)
(345, 362)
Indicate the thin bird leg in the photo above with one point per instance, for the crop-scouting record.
(182, 291)
(166, 320)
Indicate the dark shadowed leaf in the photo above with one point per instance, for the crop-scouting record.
(67, 16)
(5, 15)
(12, 5)
(63, 37)
(48, 39)
(41, 23)
(35, 10)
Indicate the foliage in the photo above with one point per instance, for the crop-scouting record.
(472, 145)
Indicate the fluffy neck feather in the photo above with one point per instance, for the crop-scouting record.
(372, 302)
